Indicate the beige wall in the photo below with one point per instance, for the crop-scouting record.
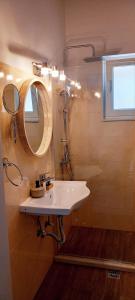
(30, 256)
(31, 31)
(5, 278)
(102, 152)
(112, 21)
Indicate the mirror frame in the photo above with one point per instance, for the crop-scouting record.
(13, 113)
(47, 133)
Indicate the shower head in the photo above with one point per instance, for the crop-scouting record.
(92, 59)
(96, 58)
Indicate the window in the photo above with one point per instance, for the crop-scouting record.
(119, 87)
(31, 105)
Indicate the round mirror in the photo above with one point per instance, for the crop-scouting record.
(11, 99)
(34, 118)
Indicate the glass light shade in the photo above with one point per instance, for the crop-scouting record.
(62, 76)
(9, 77)
(55, 72)
(1, 74)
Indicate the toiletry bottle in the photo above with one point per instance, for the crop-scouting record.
(37, 183)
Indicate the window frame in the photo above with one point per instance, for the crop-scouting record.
(108, 62)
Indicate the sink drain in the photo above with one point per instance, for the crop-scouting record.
(113, 274)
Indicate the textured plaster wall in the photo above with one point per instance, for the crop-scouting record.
(103, 153)
(30, 31)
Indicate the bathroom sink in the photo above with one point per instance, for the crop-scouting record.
(61, 199)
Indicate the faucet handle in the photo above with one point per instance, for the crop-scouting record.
(43, 177)
(50, 178)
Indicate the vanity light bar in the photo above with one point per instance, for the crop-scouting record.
(9, 77)
(44, 69)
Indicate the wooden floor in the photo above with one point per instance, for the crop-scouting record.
(100, 243)
(70, 282)
(66, 282)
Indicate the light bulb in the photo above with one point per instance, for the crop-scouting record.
(18, 79)
(62, 76)
(1, 74)
(97, 95)
(44, 71)
(68, 88)
(9, 77)
(54, 72)
(72, 82)
(78, 86)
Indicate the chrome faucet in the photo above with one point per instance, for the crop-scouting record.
(44, 178)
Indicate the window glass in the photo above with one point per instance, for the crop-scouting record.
(124, 87)
(31, 105)
(118, 89)
(28, 103)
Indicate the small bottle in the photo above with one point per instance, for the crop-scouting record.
(37, 183)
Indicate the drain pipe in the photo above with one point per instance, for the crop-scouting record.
(59, 237)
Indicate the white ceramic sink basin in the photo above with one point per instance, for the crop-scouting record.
(62, 199)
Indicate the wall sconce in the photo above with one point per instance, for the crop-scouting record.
(44, 69)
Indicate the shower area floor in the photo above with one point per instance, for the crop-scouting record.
(69, 281)
(100, 243)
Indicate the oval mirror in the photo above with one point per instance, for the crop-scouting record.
(34, 118)
(11, 100)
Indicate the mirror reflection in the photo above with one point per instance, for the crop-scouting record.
(34, 116)
(11, 99)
